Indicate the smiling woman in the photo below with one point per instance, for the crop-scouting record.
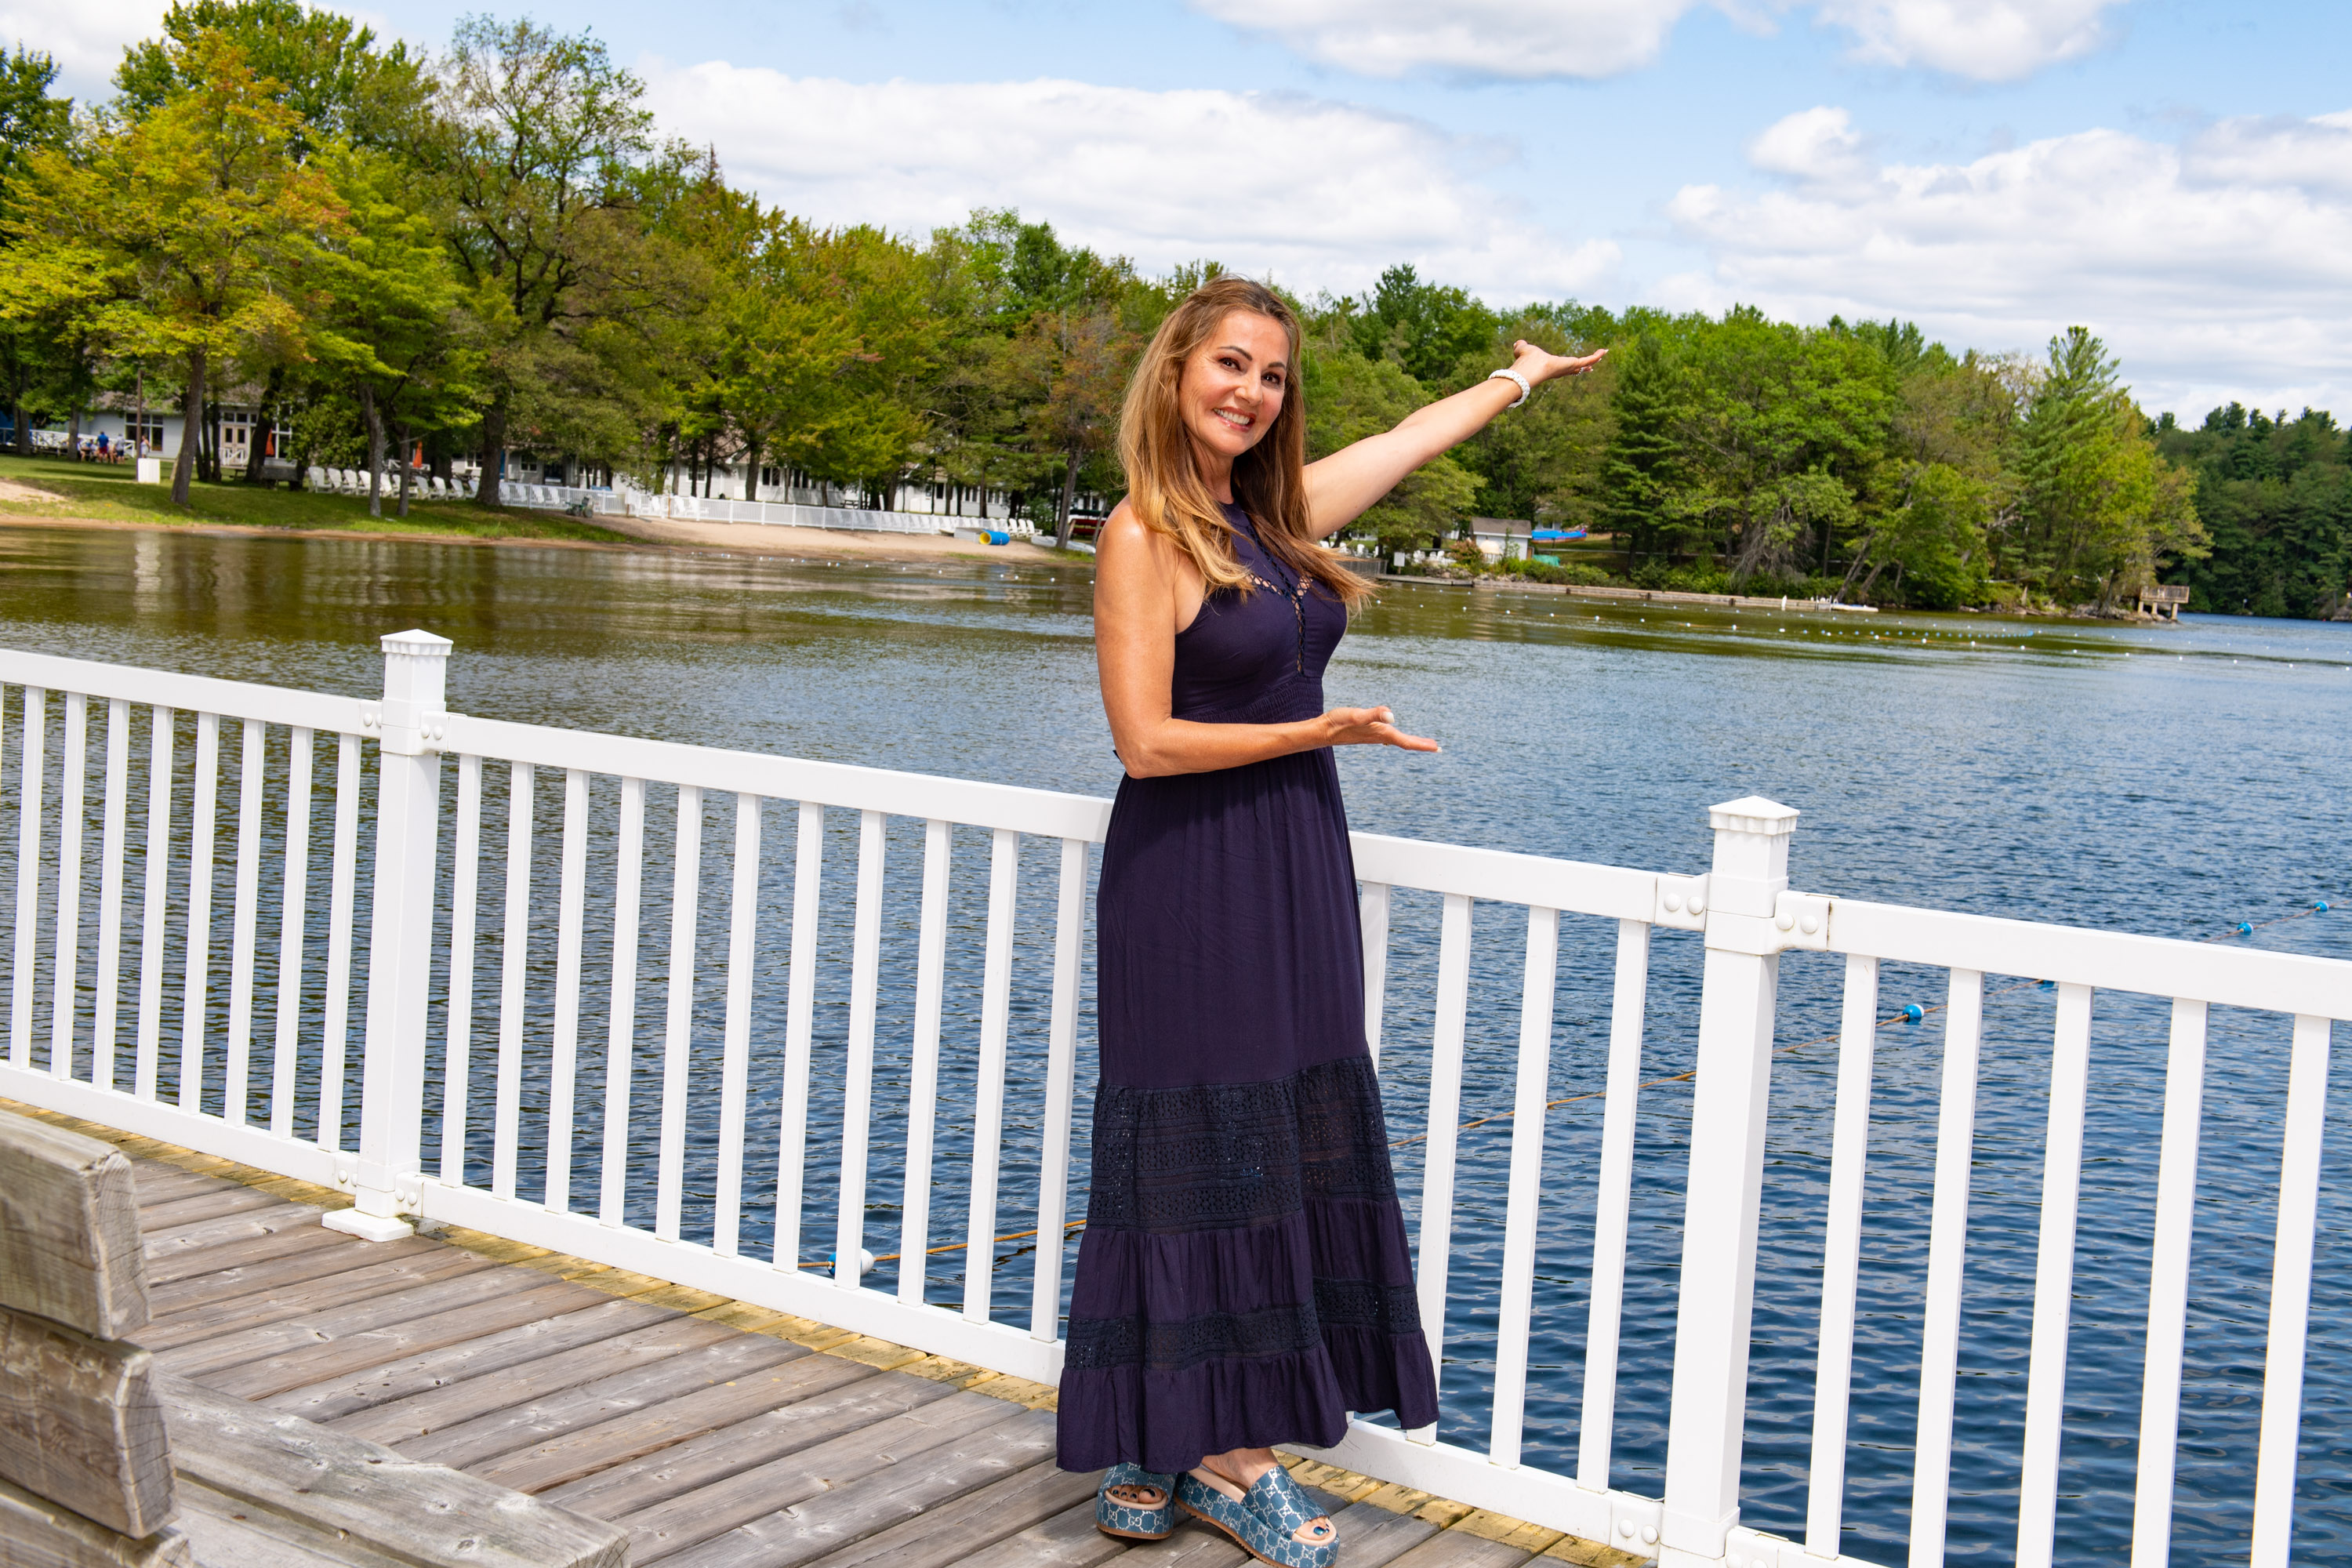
(1244, 1278)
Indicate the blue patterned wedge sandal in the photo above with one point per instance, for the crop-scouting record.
(1265, 1521)
(1134, 1521)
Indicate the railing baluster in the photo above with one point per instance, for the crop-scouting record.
(1523, 1206)
(2054, 1279)
(988, 1119)
(621, 1037)
(157, 864)
(800, 1022)
(2298, 1216)
(342, 893)
(514, 959)
(1061, 1067)
(1842, 1256)
(237, 1050)
(1444, 1131)
(1612, 1204)
(923, 1085)
(677, 1033)
(857, 1086)
(295, 871)
(197, 971)
(571, 914)
(735, 1061)
(1947, 1237)
(457, 1019)
(2168, 1287)
(32, 765)
(1373, 912)
(73, 778)
(104, 1018)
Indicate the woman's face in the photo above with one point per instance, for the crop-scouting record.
(1232, 387)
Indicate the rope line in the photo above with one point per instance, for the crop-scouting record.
(2244, 927)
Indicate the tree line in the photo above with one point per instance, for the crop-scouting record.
(492, 251)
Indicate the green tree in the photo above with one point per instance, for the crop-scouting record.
(394, 328)
(32, 359)
(1641, 477)
(329, 69)
(1350, 397)
(2276, 494)
(540, 157)
(1423, 328)
(188, 236)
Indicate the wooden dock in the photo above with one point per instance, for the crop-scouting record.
(718, 1433)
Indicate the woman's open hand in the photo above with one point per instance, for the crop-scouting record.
(1539, 367)
(1372, 727)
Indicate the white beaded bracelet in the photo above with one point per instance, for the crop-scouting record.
(1512, 375)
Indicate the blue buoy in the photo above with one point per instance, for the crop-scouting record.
(2048, 986)
(1913, 1012)
(2320, 908)
(2245, 928)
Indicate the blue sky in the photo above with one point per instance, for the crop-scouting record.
(2177, 176)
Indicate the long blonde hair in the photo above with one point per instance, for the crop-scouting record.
(1164, 484)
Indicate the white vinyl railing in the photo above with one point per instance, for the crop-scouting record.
(406, 845)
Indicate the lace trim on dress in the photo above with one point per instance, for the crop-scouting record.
(1221, 1156)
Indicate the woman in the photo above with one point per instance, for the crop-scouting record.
(1244, 1278)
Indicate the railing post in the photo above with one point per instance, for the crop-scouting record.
(400, 938)
(1706, 1418)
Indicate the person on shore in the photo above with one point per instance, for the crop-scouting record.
(1244, 1278)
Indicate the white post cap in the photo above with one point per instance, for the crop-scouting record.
(1752, 814)
(417, 644)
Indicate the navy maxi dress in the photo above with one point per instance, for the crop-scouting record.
(1243, 1281)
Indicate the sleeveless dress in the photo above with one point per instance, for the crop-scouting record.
(1244, 1279)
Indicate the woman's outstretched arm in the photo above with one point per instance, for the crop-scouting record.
(1343, 485)
(1145, 592)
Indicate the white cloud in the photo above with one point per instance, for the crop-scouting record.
(1984, 40)
(2218, 268)
(1528, 38)
(86, 38)
(1315, 193)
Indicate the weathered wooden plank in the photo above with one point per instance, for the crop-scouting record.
(954, 1530)
(413, 1262)
(70, 1246)
(687, 1519)
(160, 1184)
(542, 1465)
(80, 1425)
(1068, 1540)
(1460, 1548)
(378, 1385)
(228, 1533)
(1371, 1535)
(240, 1343)
(641, 1483)
(172, 1241)
(36, 1534)
(1192, 1545)
(486, 1438)
(265, 1243)
(845, 1515)
(373, 1347)
(424, 1514)
(191, 1208)
(404, 1421)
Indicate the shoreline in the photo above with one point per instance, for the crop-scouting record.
(811, 545)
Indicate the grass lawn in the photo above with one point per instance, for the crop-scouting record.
(109, 493)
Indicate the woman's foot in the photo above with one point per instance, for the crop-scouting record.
(1135, 1504)
(1137, 1496)
(1234, 1473)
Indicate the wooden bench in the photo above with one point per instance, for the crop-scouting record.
(106, 1462)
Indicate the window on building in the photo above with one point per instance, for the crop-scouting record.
(771, 478)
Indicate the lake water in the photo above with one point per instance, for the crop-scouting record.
(2173, 781)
